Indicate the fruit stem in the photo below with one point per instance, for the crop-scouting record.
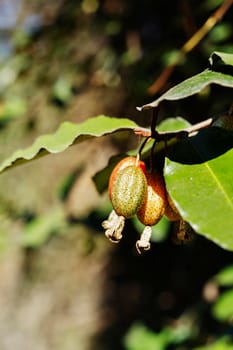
(142, 147)
(155, 114)
(151, 157)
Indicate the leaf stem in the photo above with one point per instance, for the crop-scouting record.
(167, 135)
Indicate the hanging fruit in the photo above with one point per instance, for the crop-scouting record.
(124, 163)
(154, 204)
(152, 209)
(128, 191)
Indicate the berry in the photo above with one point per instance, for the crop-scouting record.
(128, 191)
(171, 211)
(153, 206)
(125, 162)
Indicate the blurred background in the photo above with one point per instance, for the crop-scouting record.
(63, 286)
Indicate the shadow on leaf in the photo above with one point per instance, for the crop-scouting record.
(206, 145)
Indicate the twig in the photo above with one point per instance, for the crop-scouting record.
(167, 135)
(189, 45)
(155, 115)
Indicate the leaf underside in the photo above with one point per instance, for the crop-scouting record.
(222, 58)
(192, 86)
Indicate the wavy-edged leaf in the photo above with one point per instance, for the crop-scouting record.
(203, 193)
(66, 135)
(192, 86)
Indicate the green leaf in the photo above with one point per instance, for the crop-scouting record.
(220, 33)
(62, 90)
(101, 177)
(140, 337)
(225, 276)
(203, 193)
(221, 57)
(221, 344)
(173, 124)
(67, 134)
(223, 307)
(39, 230)
(12, 108)
(192, 86)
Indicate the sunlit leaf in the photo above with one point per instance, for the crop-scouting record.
(141, 338)
(39, 230)
(173, 124)
(12, 108)
(67, 134)
(221, 344)
(62, 90)
(225, 276)
(192, 86)
(203, 193)
(223, 307)
(224, 58)
(220, 33)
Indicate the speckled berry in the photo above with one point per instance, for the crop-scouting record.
(154, 204)
(124, 163)
(128, 191)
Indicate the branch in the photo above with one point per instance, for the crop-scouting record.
(190, 45)
(168, 135)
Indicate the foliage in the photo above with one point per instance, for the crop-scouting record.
(189, 186)
(185, 330)
(67, 62)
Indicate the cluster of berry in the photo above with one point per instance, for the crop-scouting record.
(132, 190)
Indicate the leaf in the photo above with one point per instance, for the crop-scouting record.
(203, 194)
(173, 124)
(101, 177)
(39, 230)
(66, 135)
(225, 277)
(207, 144)
(221, 57)
(192, 86)
(223, 307)
(223, 343)
(140, 337)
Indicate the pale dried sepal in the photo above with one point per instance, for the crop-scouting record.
(144, 242)
(114, 226)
